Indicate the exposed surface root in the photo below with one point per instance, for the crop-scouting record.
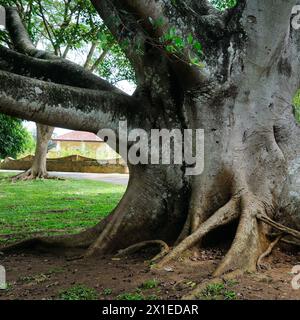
(44, 243)
(28, 175)
(294, 233)
(283, 231)
(164, 248)
(35, 243)
(74, 241)
(293, 243)
(222, 217)
(103, 238)
(248, 249)
(260, 265)
(185, 230)
(249, 241)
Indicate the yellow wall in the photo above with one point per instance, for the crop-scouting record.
(67, 164)
(95, 150)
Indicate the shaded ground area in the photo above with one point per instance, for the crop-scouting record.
(56, 207)
(32, 276)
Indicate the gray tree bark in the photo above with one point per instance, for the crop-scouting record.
(44, 132)
(241, 98)
(38, 169)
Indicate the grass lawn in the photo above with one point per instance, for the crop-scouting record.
(53, 207)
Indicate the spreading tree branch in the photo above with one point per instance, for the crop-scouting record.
(39, 86)
(141, 24)
(59, 70)
(99, 60)
(90, 55)
(64, 106)
(156, 17)
(124, 29)
(19, 35)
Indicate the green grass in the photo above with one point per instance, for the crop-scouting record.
(150, 284)
(79, 292)
(48, 207)
(140, 294)
(296, 103)
(130, 296)
(136, 296)
(217, 291)
(107, 291)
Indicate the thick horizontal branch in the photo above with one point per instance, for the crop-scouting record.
(56, 69)
(59, 71)
(63, 106)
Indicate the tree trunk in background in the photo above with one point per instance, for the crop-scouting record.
(39, 165)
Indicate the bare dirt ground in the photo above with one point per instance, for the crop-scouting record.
(44, 276)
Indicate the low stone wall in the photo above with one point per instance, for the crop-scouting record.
(69, 164)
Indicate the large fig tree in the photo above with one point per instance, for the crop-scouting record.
(232, 73)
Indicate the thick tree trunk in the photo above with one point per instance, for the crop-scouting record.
(39, 165)
(245, 110)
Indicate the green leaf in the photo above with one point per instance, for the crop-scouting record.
(190, 39)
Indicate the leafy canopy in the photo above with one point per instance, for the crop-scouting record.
(15, 139)
(70, 28)
(296, 103)
(224, 4)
